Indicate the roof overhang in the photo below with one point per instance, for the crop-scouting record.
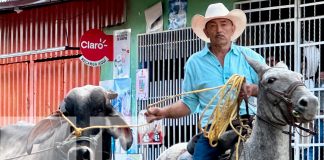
(18, 5)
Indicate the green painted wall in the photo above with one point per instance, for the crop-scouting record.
(135, 20)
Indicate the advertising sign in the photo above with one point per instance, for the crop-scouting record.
(96, 48)
(142, 84)
(151, 133)
(121, 53)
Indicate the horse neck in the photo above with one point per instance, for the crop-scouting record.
(267, 140)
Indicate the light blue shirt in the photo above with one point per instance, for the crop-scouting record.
(203, 70)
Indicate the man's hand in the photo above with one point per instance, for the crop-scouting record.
(248, 90)
(154, 113)
(175, 110)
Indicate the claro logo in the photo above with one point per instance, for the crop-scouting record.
(96, 47)
(91, 45)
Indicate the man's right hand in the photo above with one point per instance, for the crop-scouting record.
(175, 110)
(154, 113)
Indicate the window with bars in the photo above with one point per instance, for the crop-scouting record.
(290, 31)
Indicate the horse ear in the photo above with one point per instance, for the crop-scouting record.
(281, 64)
(257, 66)
(42, 131)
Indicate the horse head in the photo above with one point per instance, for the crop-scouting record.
(283, 98)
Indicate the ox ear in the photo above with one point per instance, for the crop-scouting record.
(257, 66)
(111, 94)
(43, 131)
(66, 107)
(63, 109)
(124, 133)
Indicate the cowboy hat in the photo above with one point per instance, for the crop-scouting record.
(218, 10)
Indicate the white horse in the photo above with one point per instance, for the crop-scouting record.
(283, 101)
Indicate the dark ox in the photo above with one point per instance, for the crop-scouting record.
(51, 138)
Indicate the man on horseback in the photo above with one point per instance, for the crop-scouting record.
(210, 67)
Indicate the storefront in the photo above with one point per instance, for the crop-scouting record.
(39, 56)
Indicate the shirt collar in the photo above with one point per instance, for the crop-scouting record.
(233, 49)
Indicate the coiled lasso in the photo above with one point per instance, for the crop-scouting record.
(225, 110)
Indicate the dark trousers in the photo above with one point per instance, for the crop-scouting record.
(203, 151)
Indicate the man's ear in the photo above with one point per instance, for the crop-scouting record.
(233, 29)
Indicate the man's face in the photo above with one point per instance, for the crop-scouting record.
(219, 31)
(271, 61)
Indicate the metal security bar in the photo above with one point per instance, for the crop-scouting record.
(290, 31)
(164, 55)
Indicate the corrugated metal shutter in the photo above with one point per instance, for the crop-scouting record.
(14, 92)
(32, 87)
(54, 26)
(53, 80)
(30, 91)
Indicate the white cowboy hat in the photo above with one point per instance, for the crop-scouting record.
(218, 10)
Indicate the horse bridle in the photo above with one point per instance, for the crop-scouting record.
(285, 96)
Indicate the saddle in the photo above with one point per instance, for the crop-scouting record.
(226, 141)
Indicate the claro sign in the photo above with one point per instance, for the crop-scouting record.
(96, 48)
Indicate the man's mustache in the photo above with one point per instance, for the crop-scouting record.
(219, 35)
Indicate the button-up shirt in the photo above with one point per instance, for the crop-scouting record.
(204, 70)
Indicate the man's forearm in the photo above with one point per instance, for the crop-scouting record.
(176, 110)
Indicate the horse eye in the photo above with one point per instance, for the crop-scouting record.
(271, 80)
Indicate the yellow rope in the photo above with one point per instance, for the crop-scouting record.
(220, 117)
(224, 111)
(178, 95)
(78, 131)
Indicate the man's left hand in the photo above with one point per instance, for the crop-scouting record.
(248, 90)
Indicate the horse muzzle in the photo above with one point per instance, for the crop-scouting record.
(306, 109)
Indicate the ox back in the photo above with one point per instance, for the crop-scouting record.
(13, 142)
